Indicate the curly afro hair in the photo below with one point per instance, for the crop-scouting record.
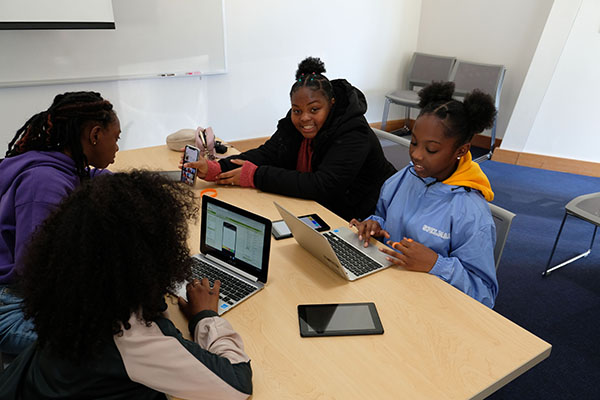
(461, 119)
(114, 247)
(310, 74)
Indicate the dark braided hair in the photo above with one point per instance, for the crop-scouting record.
(60, 126)
(115, 246)
(310, 74)
(461, 119)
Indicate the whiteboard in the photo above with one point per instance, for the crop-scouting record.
(153, 38)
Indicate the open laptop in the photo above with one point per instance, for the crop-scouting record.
(339, 249)
(235, 246)
(170, 175)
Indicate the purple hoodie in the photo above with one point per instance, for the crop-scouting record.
(31, 185)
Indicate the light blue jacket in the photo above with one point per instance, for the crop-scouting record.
(453, 221)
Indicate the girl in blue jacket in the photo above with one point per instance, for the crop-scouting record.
(434, 212)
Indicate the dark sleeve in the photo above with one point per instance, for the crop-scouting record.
(157, 356)
(276, 152)
(341, 163)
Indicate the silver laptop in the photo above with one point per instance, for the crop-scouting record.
(170, 175)
(235, 246)
(339, 249)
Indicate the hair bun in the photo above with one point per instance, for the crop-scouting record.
(310, 65)
(436, 92)
(480, 110)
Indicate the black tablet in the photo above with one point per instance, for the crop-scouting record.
(339, 319)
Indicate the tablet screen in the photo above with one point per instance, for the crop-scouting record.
(339, 319)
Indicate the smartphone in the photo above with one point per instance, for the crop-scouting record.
(190, 154)
(281, 231)
(229, 238)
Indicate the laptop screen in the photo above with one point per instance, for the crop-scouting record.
(236, 236)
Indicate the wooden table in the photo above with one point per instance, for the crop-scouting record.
(438, 343)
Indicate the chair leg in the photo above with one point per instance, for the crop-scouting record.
(562, 224)
(492, 139)
(406, 117)
(577, 257)
(593, 237)
(405, 130)
(386, 110)
(488, 155)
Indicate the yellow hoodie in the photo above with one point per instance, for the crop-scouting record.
(469, 174)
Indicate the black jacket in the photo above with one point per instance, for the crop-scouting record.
(347, 162)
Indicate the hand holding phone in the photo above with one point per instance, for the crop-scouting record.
(188, 175)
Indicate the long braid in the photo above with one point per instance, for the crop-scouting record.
(59, 128)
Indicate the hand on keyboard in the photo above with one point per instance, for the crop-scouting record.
(411, 255)
(200, 297)
(368, 228)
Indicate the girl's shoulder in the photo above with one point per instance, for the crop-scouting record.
(471, 208)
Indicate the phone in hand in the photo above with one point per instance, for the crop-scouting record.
(190, 154)
(281, 231)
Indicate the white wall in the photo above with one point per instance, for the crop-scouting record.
(557, 112)
(368, 43)
(488, 31)
(148, 109)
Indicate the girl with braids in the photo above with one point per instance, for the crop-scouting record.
(323, 150)
(94, 283)
(48, 157)
(434, 212)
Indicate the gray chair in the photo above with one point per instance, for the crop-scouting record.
(395, 148)
(503, 220)
(423, 69)
(585, 207)
(486, 77)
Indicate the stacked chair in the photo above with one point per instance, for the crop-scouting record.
(427, 68)
(423, 69)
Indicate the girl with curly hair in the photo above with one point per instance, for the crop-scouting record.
(434, 212)
(47, 158)
(94, 282)
(323, 150)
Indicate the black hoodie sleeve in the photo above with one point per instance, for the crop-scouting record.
(341, 163)
(279, 150)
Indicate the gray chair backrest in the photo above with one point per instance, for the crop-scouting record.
(425, 68)
(486, 77)
(503, 219)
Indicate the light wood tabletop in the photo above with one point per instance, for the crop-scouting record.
(438, 343)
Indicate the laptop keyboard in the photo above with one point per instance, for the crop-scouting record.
(232, 288)
(350, 257)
